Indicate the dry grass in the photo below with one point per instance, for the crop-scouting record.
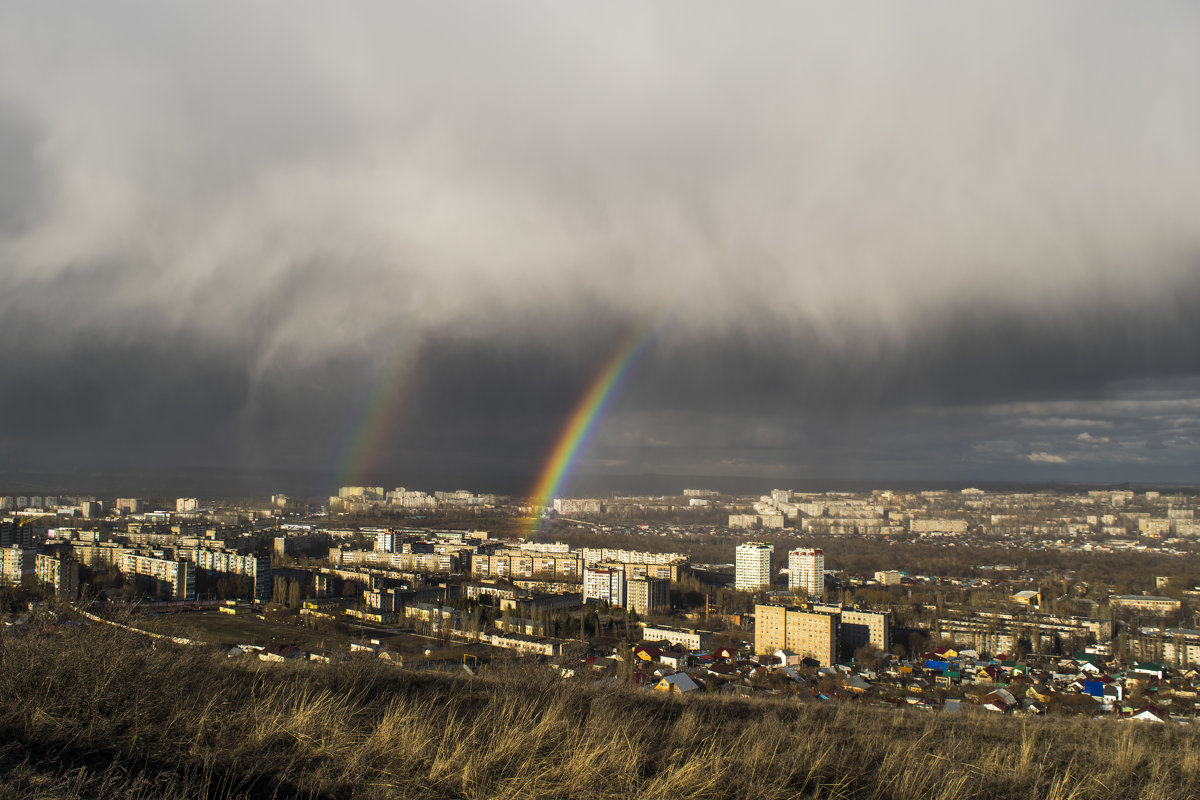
(99, 713)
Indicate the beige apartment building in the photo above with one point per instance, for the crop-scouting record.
(858, 627)
(174, 577)
(648, 595)
(811, 634)
(515, 563)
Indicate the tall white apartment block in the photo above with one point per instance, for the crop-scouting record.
(604, 583)
(16, 564)
(183, 504)
(753, 566)
(806, 571)
(389, 542)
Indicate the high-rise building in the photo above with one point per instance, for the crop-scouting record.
(173, 577)
(388, 542)
(129, 505)
(184, 504)
(254, 570)
(812, 634)
(806, 571)
(753, 566)
(648, 595)
(604, 583)
(16, 564)
(58, 575)
(366, 492)
(859, 627)
(12, 532)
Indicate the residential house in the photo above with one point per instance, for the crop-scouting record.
(677, 683)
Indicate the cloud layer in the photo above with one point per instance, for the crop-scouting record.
(221, 227)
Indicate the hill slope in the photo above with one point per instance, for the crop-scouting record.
(98, 712)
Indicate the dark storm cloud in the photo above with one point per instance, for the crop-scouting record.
(221, 228)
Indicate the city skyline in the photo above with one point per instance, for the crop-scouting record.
(886, 244)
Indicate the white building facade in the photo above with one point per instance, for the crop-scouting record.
(753, 566)
(806, 571)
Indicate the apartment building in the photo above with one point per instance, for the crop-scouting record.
(753, 566)
(938, 527)
(1154, 528)
(648, 595)
(583, 506)
(526, 564)
(523, 643)
(1002, 632)
(689, 638)
(538, 602)
(858, 627)
(1149, 604)
(888, 577)
(16, 565)
(1181, 647)
(405, 562)
(97, 553)
(389, 542)
(605, 583)
(222, 562)
(552, 561)
(806, 571)
(810, 634)
(58, 575)
(12, 532)
(173, 577)
(128, 505)
(594, 555)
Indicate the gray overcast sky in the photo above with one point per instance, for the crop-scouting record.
(930, 240)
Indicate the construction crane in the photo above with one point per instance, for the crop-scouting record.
(10, 530)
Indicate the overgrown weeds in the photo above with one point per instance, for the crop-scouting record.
(97, 712)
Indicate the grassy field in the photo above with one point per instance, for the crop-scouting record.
(227, 629)
(97, 712)
(213, 626)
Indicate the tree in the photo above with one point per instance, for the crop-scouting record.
(868, 655)
(625, 668)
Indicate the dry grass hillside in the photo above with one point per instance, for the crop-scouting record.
(95, 712)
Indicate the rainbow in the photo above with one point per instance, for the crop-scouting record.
(378, 420)
(581, 423)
